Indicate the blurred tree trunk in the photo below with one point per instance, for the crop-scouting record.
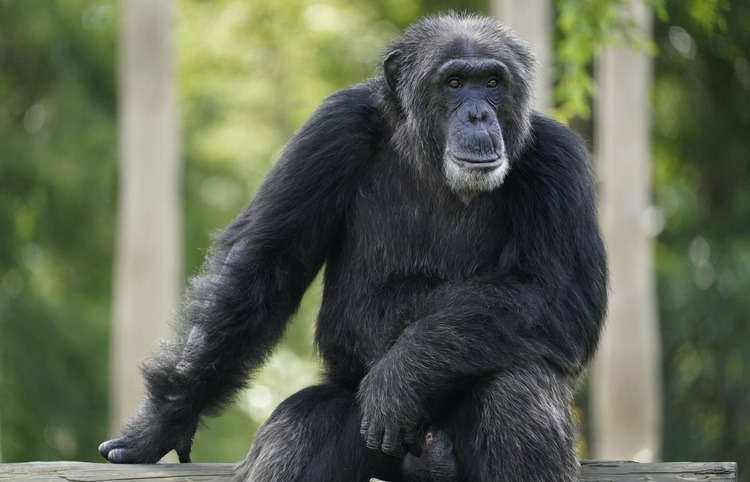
(148, 251)
(532, 20)
(626, 379)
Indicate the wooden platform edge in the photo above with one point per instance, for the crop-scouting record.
(591, 471)
(618, 470)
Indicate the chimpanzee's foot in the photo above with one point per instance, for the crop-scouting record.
(436, 464)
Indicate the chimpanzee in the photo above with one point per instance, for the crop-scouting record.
(464, 283)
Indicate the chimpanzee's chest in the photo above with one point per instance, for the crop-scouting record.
(400, 224)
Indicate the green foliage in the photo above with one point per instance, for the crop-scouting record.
(586, 26)
(709, 14)
(57, 191)
(702, 120)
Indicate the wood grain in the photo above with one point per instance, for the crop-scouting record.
(591, 471)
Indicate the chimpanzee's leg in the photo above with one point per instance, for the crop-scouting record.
(313, 436)
(514, 426)
(517, 426)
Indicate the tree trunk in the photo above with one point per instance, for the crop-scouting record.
(532, 20)
(148, 251)
(626, 379)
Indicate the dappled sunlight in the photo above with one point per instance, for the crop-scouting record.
(285, 373)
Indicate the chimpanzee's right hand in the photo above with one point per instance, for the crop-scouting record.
(146, 440)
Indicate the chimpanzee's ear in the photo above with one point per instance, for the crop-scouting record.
(392, 68)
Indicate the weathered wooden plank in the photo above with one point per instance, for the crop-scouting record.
(620, 471)
(591, 471)
(90, 472)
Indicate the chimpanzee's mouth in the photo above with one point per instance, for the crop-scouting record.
(478, 162)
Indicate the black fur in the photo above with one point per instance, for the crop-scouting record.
(456, 315)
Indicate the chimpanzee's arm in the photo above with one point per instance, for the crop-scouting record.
(547, 309)
(254, 278)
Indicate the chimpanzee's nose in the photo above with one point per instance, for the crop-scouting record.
(479, 114)
(474, 112)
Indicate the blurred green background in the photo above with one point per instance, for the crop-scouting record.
(261, 68)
